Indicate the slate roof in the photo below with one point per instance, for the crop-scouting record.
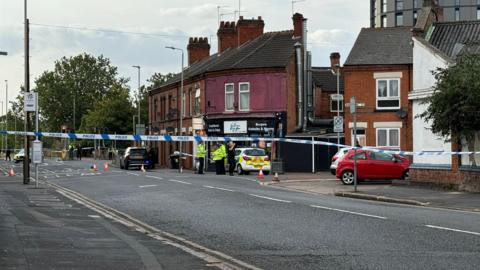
(323, 77)
(272, 49)
(382, 46)
(449, 37)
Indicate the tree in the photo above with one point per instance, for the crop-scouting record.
(453, 109)
(77, 81)
(156, 80)
(112, 114)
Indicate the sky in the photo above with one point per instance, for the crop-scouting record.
(142, 29)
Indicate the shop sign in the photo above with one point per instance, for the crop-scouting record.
(214, 126)
(234, 127)
(260, 126)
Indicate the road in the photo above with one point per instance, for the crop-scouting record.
(273, 228)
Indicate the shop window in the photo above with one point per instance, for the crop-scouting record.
(229, 97)
(388, 94)
(361, 137)
(244, 96)
(336, 103)
(388, 137)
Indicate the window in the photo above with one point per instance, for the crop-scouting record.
(334, 101)
(155, 108)
(381, 156)
(388, 94)
(190, 102)
(415, 3)
(197, 101)
(399, 4)
(229, 97)
(415, 17)
(399, 19)
(384, 21)
(384, 6)
(457, 14)
(184, 113)
(244, 96)
(388, 137)
(361, 137)
(457, 3)
(359, 156)
(478, 13)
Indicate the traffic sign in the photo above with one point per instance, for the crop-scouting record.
(37, 152)
(30, 99)
(337, 124)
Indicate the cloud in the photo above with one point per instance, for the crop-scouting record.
(331, 37)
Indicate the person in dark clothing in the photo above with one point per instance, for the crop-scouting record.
(79, 152)
(7, 155)
(231, 157)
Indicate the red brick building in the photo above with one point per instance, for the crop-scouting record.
(378, 73)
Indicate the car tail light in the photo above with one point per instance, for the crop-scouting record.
(334, 158)
(266, 158)
(246, 158)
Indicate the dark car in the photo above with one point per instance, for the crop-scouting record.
(134, 157)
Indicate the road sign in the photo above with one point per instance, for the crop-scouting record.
(337, 124)
(37, 152)
(353, 105)
(30, 99)
(140, 129)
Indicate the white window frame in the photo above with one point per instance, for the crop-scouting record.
(240, 92)
(333, 99)
(388, 93)
(232, 93)
(388, 138)
(358, 136)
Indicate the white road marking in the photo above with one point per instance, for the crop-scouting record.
(94, 216)
(453, 230)
(147, 186)
(155, 177)
(181, 182)
(346, 211)
(136, 174)
(245, 178)
(269, 198)
(219, 188)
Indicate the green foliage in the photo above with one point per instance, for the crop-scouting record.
(83, 80)
(112, 114)
(156, 80)
(454, 107)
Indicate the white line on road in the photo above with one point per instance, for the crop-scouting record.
(346, 211)
(155, 177)
(454, 230)
(269, 198)
(136, 174)
(219, 188)
(145, 186)
(181, 182)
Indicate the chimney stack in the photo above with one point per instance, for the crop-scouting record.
(249, 29)
(335, 61)
(227, 36)
(198, 49)
(297, 25)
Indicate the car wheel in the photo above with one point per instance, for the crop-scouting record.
(240, 170)
(347, 178)
(126, 166)
(406, 175)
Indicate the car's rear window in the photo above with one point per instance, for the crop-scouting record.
(138, 151)
(255, 152)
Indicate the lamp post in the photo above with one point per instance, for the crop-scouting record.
(2, 149)
(6, 113)
(138, 94)
(338, 102)
(181, 107)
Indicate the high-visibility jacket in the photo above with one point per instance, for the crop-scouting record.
(217, 154)
(201, 150)
(224, 151)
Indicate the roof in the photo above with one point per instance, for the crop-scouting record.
(326, 79)
(272, 49)
(382, 46)
(451, 37)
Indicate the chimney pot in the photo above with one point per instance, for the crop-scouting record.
(198, 49)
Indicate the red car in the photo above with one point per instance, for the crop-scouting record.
(372, 165)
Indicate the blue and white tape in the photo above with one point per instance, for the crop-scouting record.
(168, 138)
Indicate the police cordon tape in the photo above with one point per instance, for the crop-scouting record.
(169, 138)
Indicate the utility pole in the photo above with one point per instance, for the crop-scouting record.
(6, 114)
(26, 145)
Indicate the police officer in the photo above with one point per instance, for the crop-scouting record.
(223, 150)
(217, 157)
(201, 156)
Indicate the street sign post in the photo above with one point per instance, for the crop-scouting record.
(30, 101)
(338, 124)
(353, 110)
(37, 152)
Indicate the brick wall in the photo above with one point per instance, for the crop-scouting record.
(322, 104)
(291, 95)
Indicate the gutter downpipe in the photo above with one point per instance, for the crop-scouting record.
(305, 76)
(298, 55)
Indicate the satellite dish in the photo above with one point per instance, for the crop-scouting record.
(402, 113)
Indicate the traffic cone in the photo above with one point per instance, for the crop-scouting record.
(260, 174)
(105, 167)
(275, 177)
(11, 172)
(94, 167)
(143, 169)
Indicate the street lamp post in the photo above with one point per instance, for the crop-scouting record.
(338, 102)
(2, 149)
(181, 107)
(138, 94)
(6, 113)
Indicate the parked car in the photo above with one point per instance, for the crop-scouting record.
(372, 165)
(18, 157)
(336, 158)
(134, 157)
(251, 159)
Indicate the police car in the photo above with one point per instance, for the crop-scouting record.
(251, 160)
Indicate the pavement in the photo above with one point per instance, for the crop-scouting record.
(397, 191)
(41, 229)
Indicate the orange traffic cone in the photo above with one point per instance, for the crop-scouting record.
(143, 169)
(105, 167)
(275, 177)
(260, 174)
(11, 172)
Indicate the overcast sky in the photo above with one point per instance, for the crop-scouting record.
(332, 24)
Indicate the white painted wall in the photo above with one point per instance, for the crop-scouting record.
(424, 62)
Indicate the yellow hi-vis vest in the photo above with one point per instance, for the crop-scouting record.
(201, 151)
(217, 154)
